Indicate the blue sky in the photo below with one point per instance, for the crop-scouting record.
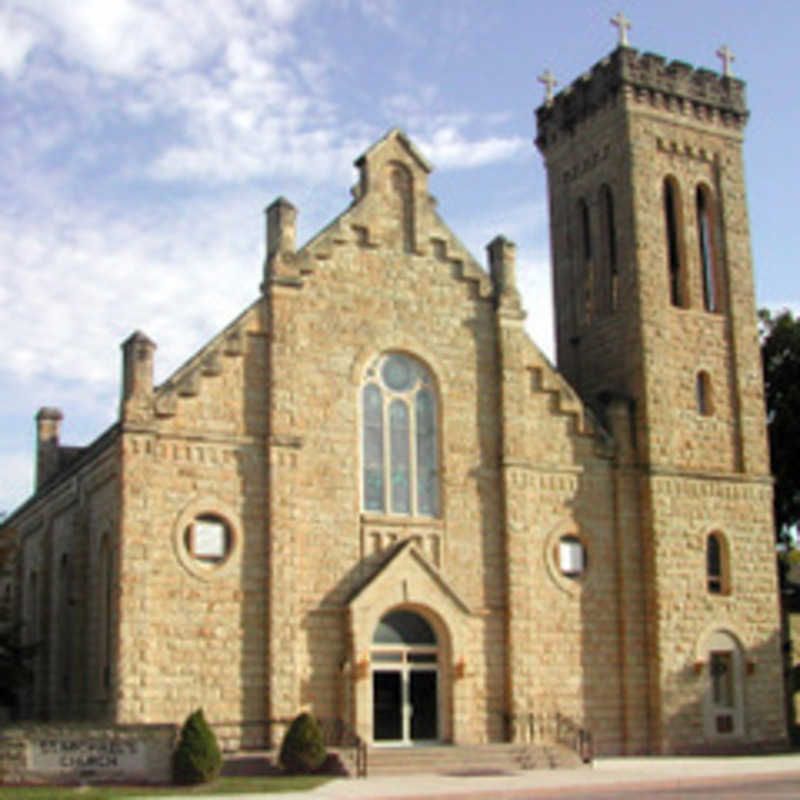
(140, 141)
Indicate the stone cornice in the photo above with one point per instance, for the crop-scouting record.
(675, 86)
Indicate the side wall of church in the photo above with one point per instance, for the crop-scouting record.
(59, 573)
(685, 510)
(571, 639)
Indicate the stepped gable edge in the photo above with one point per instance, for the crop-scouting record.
(204, 362)
(546, 378)
(353, 226)
(700, 89)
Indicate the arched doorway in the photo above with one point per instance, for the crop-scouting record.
(724, 697)
(405, 680)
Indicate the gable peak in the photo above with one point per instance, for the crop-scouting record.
(394, 152)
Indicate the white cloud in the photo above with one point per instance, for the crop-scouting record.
(75, 287)
(129, 38)
(449, 148)
(18, 35)
(16, 477)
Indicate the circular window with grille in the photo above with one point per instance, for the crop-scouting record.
(206, 539)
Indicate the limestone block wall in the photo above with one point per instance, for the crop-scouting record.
(723, 342)
(60, 533)
(686, 510)
(194, 634)
(385, 276)
(566, 651)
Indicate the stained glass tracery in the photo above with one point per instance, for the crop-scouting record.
(399, 438)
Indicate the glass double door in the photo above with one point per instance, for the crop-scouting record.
(405, 704)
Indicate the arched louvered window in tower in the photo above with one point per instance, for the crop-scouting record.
(610, 277)
(673, 221)
(584, 283)
(708, 249)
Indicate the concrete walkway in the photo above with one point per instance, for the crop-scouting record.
(604, 773)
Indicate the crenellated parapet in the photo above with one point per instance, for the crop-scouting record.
(673, 86)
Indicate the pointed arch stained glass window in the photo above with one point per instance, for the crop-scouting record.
(399, 438)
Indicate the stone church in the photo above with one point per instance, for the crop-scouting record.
(372, 496)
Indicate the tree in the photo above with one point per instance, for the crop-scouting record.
(16, 654)
(197, 758)
(780, 351)
(15, 665)
(302, 750)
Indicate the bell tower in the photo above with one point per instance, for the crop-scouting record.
(654, 305)
(652, 274)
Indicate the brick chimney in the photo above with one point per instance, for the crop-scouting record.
(48, 430)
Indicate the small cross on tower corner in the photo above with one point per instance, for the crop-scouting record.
(549, 81)
(727, 57)
(622, 24)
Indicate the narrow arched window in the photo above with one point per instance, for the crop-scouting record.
(584, 284)
(32, 624)
(708, 250)
(717, 577)
(32, 635)
(703, 393)
(400, 446)
(63, 615)
(586, 231)
(672, 222)
(104, 597)
(610, 289)
(403, 190)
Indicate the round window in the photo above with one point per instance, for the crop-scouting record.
(208, 540)
(571, 557)
(398, 373)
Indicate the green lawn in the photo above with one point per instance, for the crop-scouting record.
(292, 783)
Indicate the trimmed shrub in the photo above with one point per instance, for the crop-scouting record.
(332, 765)
(197, 758)
(302, 749)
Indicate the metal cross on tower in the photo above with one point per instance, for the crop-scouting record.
(727, 57)
(622, 23)
(549, 81)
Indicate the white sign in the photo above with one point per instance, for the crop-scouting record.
(100, 757)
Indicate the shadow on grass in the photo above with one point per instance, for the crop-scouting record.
(232, 785)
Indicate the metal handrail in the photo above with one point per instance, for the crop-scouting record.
(544, 726)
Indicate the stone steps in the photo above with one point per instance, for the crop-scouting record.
(468, 759)
(485, 759)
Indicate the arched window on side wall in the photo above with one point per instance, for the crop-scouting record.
(31, 634)
(64, 616)
(611, 275)
(708, 250)
(673, 225)
(104, 596)
(400, 448)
